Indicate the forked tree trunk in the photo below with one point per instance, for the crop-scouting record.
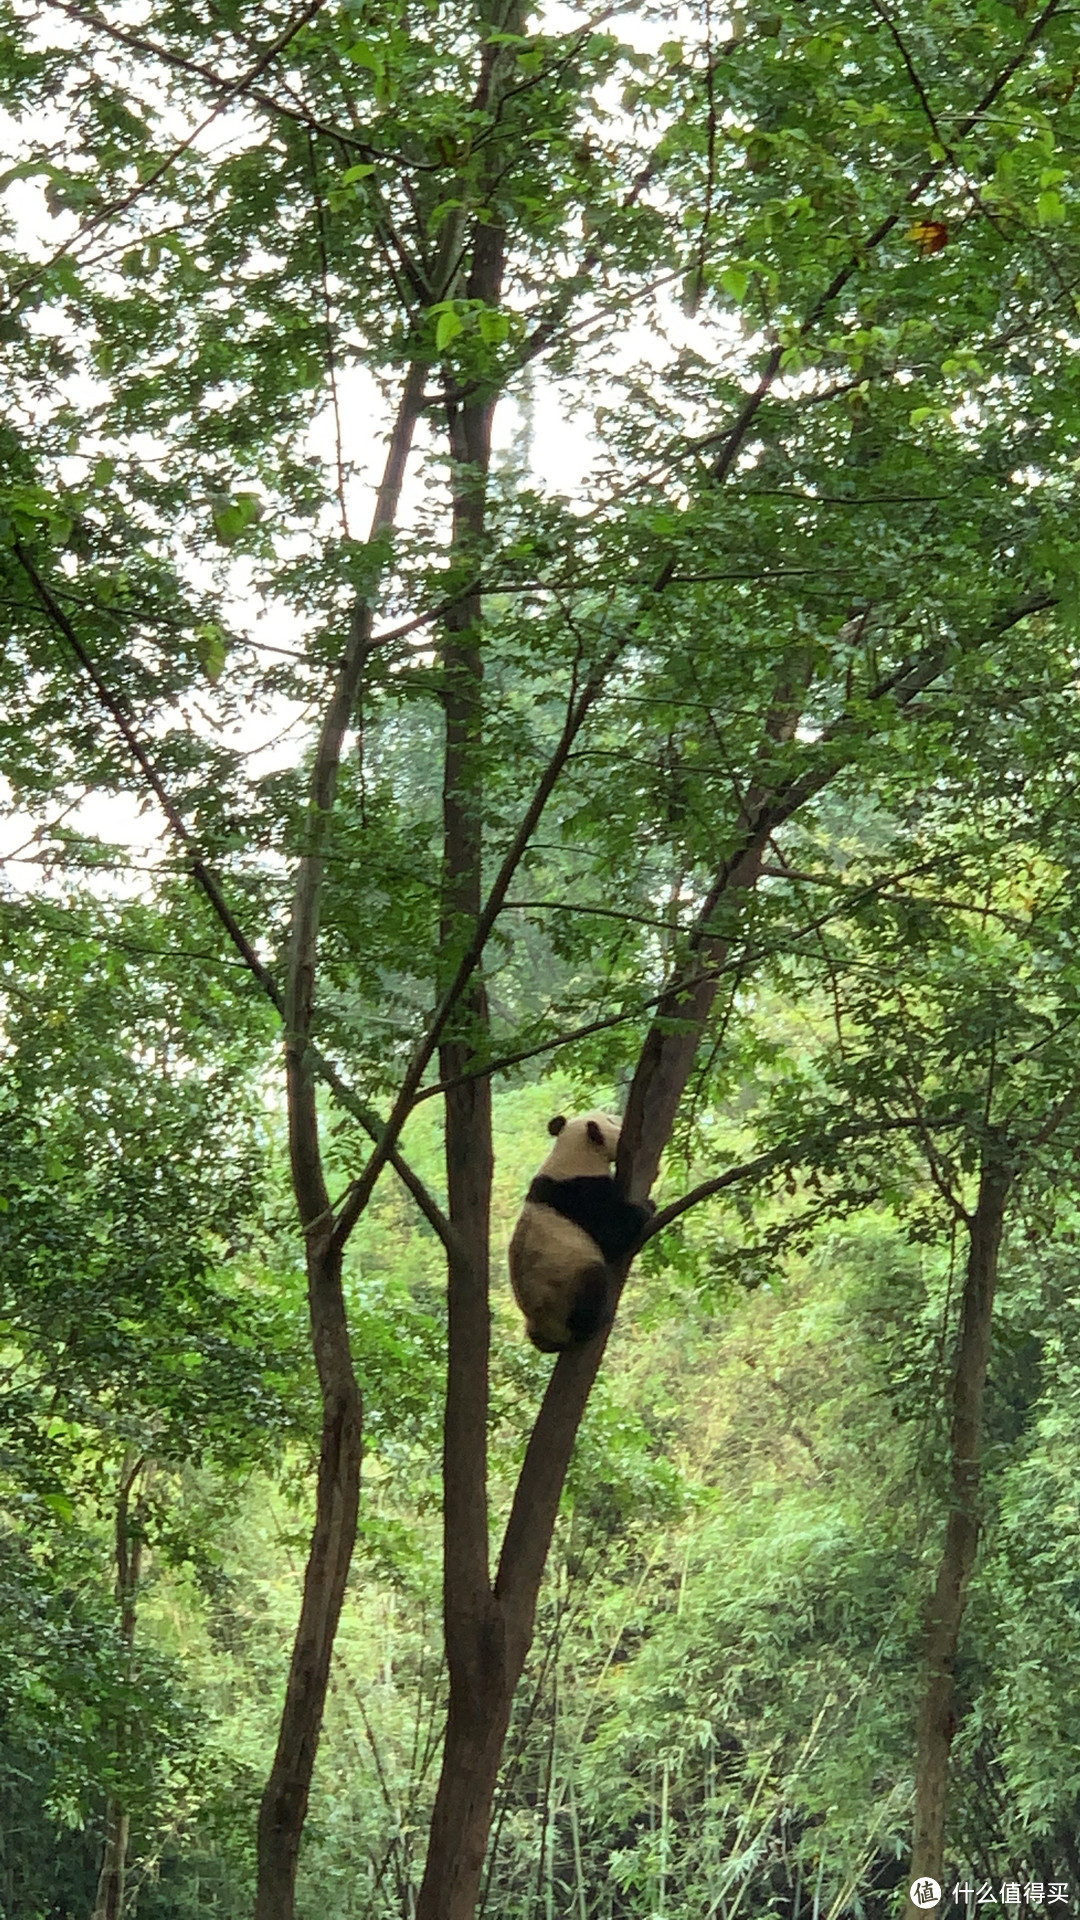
(945, 1612)
(492, 1645)
(489, 1629)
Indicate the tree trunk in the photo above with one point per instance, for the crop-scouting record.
(109, 1900)
(474, 1734)
(481, 1697)
(109, 1904)
(482, 1676)
(491, 1646)
(283, 1808)
(284, 1802)
(945, 1612)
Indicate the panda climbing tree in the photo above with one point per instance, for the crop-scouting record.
(573, 1224)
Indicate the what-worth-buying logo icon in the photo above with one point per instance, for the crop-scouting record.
(925, 1892)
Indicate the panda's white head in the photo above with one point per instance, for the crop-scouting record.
(584, 1146)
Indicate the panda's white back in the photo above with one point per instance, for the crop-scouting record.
(550, 1256)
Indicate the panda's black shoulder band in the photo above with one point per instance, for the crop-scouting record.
(593, 1203)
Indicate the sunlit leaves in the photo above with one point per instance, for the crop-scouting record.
(232, 517)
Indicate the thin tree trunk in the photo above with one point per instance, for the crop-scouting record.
(109, 1901)
(481, 1690)
(945, 1612)
(283, 1808)
(109, 1904)
(284, 1802)
(473, 1636)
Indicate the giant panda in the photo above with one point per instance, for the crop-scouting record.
(573, 1223)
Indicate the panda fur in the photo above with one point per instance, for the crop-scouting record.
(573, 1224)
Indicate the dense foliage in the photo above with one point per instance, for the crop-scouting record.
(717, 720)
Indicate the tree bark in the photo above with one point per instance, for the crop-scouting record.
(109, 1903)
(481, 1689)
(945, 1611)
(109, 1900)
(284, 1802)
(489, 1630)
(476, 1725)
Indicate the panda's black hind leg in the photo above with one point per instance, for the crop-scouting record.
(545, 1346)
(591, 1310)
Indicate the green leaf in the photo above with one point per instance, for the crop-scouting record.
(362, 172)
(1050, 208)
(735, 281)
(494, 326)
(450, 324)
(362, 55)
(233, 517)
(211, 650)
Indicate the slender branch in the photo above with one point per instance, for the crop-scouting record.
(232, 91)
(1057, 1114)
(218, 82)
(786, 1156)
(328, 327)
(551, 1045)
(209, 886)
(308, 1179)
(197, 866)
(710, 152)
(912, 74)
(938, 1171)
(357, 1200)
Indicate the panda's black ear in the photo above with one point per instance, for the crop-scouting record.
(595, 1134)
(556, 1126)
